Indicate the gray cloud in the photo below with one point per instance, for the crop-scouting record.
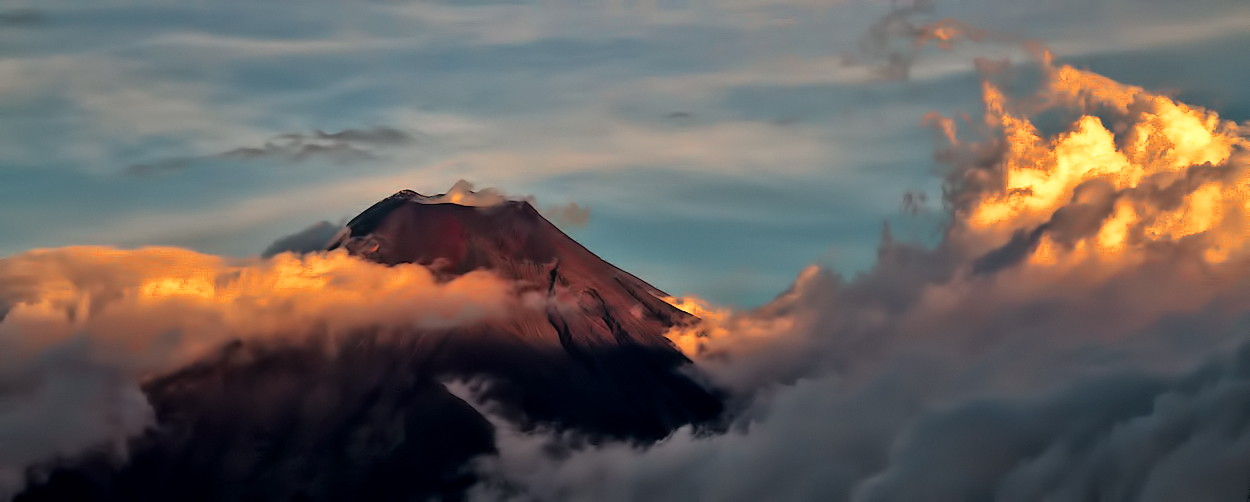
(881, 41)
(893, 43)
(21, 17)
(375, 136)
(297, 151)
(311, 239)
(957, 373)
(567, 215)
(897, 386)
(62, 403)
(1116, 437)
(1022, 244)
(344, 146)
(85, 326)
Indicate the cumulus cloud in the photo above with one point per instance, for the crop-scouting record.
(1078, 334)
(1128, 436)
(84, 326)
(916, 380)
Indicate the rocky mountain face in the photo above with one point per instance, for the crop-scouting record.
(372, 419)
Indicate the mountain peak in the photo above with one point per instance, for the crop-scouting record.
(275, 422)
(509, 238)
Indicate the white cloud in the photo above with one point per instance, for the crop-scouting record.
(82, 327)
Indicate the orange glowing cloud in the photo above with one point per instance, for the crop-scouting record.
(82, 327)
(172, 304)
(690, 339)
(721, 331)
(1175, 171)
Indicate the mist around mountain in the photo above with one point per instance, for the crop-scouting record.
(367, 414)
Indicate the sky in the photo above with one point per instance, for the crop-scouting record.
(1059, 310)
(721, 146)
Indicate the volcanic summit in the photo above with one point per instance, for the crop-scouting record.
(372, 419)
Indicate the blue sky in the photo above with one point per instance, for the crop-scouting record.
(721, 146)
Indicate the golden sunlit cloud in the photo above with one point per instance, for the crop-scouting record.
(1173, 171)
(164, 302)
(82, 327)
(689, 338)
(719, 331)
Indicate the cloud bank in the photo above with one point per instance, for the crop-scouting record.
(82, 327)
(1080, 333)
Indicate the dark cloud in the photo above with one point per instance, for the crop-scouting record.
(910, 383)
(344, 146)
(21, 17)
(1016, 250)
(914, 202)
(376, 135)
(298, 151)
(1128, 437)
(1092, 203)
(881, 42)
(894, 42)
(314, 238)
